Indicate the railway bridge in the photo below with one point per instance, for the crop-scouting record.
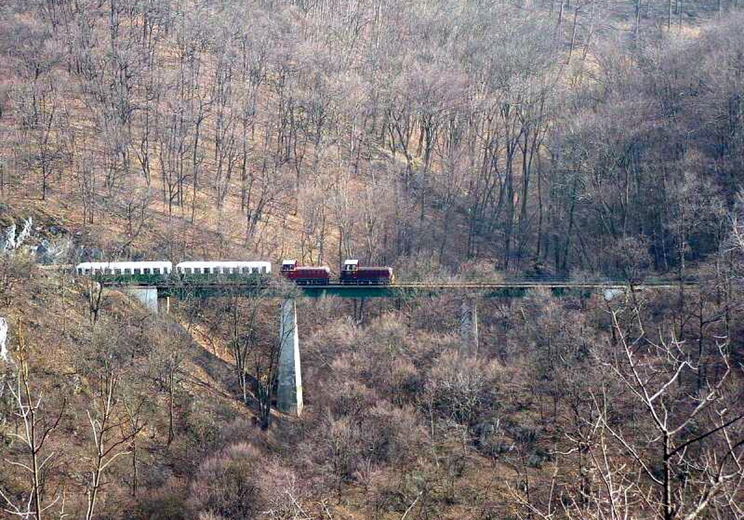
(289, 392)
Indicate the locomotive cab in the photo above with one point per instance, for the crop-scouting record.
(351, 265)
(289, 265)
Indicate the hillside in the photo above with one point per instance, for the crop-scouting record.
(465, 130)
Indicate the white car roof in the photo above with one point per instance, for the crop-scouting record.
(223, 264)
(124, 265)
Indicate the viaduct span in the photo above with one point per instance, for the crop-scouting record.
(289, 392)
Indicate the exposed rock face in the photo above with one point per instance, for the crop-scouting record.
(4, 355)
(14, 239)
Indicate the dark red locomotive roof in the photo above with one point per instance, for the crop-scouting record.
(374, 271)
(308, 272)
(311, 269)
(353, 271)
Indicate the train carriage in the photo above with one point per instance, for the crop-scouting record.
(127, 272)
(217, 271)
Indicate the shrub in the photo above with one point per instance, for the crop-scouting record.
(227, 484)
(462, 389)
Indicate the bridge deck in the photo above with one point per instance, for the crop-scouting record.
(399, 290)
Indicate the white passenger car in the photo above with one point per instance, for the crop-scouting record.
(223, 268)
(124, 269)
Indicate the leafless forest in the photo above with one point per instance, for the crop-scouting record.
(451, 139)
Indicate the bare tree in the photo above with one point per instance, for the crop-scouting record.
(693, 457)
(111, 439)
(36, 426)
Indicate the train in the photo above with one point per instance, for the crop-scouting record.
(155, 272)
(351, 274)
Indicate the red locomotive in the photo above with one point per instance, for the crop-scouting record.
(353, 274)
(304, 275)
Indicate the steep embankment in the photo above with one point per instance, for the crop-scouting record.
(104, 374)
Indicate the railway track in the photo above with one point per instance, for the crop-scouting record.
(507, 288)
(405, 290)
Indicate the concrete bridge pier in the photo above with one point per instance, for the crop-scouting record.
(289, 391)
(469, 325)
(148, 296)
(164, 304)
(611, 294)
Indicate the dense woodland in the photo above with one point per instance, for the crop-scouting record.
(584, 139)
(554, 135)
